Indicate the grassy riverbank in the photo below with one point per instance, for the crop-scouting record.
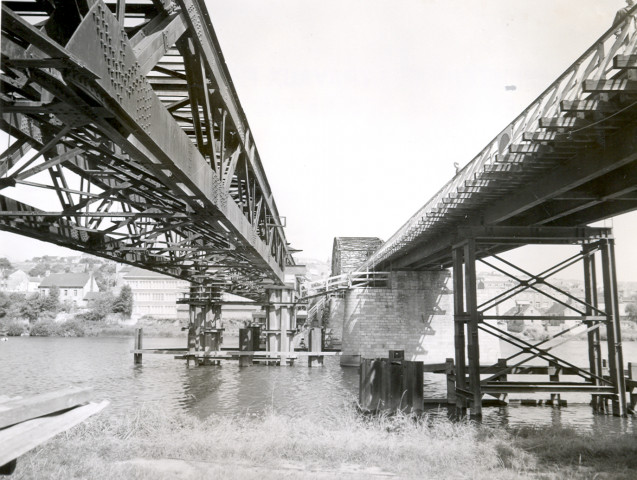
(156, 445)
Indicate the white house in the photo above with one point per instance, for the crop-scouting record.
(20, 282)
(73, 286)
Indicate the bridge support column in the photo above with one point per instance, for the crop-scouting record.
(280, 320)
(459, 332)
(613, 327)
(580, 316)
(466, 312)
(204, 332)
(413, 312)
(594, 342)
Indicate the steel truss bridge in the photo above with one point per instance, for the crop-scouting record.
(129, 142)
(567, 160)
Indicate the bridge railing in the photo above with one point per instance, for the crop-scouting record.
(597, 63)
(344, 282)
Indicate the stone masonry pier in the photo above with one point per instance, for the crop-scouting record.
(414, 313)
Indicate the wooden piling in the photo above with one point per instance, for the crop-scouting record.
(554, 376)
(247, 343)
(315, 341)
(137, 357)
(391, 385)
(450, 372)
(632, 375)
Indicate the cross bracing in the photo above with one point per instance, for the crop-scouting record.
(127, 140)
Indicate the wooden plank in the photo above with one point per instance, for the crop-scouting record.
(19, 410)
(539, 387)
(588, 105)
(434, 367)
(614, 85)
(564, 122)
(237, 353)
(625, 61)
(21, 438)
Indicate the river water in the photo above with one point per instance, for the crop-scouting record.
(30, 365)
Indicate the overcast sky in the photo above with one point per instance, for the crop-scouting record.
(359, 108)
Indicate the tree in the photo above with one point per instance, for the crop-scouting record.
(5, 304)
(631, 311)
(124, 302)
(51, 303)
(30, 309)
(100, 307)
(39, 270)
(105, 277)
(5, 266)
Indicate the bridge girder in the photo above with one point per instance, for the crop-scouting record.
(127, 113)
(569, 159)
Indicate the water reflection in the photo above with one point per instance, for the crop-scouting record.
(35, 365)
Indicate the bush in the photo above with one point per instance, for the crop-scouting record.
(43, 328)
(100, 308)
(13, 328)
(70, 328)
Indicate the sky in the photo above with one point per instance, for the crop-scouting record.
(359, 108)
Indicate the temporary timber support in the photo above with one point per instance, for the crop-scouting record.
(280, 316)
(470, 317)
(204, 326)
(316, 340)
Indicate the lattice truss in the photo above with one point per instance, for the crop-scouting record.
(568, 159)
(126, 139)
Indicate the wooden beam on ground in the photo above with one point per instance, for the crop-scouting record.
(18, 410)
(19, 439)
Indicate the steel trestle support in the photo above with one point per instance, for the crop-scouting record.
(470, 317)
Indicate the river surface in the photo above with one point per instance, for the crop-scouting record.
(30, 365)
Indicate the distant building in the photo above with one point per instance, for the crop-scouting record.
(522, 309)
(154, 294)
(74, 287)
(18, 281)
(349, 253)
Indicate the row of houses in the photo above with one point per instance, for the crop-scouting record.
(154, 294)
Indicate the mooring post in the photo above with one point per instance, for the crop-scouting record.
(137, 357)
(316, 347)
(632, 375)
(554, 376)
(246, 344)
(502, 366)
(451, 381)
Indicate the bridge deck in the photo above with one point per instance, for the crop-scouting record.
(569, 159)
